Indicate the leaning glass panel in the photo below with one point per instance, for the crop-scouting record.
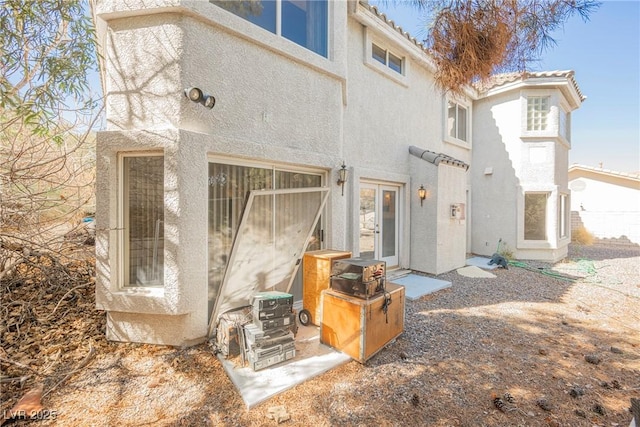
(143, 183)
(229, 187)
(305, 23)
(260, 12)
(274, 230)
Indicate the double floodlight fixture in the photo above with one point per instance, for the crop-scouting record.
(196, 95)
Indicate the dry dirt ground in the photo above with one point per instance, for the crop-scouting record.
(567, 351)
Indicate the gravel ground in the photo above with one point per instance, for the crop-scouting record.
(562, 341)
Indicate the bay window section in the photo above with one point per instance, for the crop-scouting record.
(304, 22)
(143, 218)
(535, 216)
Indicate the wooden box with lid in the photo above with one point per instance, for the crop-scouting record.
(362, 327)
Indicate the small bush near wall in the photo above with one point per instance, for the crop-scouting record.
(582, 236)
(505, 251)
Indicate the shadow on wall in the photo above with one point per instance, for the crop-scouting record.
(495, 186)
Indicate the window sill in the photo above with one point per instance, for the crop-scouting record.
(144, 300)
(539, 135)
(458, 143)
(534, 244)
(386, 71)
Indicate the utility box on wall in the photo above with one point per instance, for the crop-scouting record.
(457, 211)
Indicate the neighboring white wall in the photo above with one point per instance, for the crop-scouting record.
(608, 206)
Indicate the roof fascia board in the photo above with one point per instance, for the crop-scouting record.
(561, 83)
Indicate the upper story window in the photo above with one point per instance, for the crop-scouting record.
(387, 58)
(457, 121)
(304, 22)
(537, 112)
(564, 124)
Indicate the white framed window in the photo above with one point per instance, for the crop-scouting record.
(535, 216)
(304, 22)
(537, 112)
(564, 123)
(457, 121)
(563, 216)
(387, 58)
(142, 219)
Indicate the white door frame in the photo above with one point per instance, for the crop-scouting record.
(376, 224)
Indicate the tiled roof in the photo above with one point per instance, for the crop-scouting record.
(493, 81)
(436, 158)
(504, 78)
(392, 24)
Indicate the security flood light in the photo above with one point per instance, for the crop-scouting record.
(196, 95)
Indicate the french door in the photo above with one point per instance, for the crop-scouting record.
(379, 222)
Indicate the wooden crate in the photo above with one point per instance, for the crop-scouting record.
(359, 327)
(316, 270)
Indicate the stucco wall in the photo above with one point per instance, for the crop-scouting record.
(386, 113)
(452, 243)
(509, 161)
(269, 107)
(496, 154)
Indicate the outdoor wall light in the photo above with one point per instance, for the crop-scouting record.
(342, 176)
(196, 95)
(422, 193)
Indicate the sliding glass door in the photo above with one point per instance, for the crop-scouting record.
(229, 188)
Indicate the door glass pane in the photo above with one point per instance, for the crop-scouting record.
(535, 214)
(367, 222)
(269, 244)
(144, 220)
(388, 223)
